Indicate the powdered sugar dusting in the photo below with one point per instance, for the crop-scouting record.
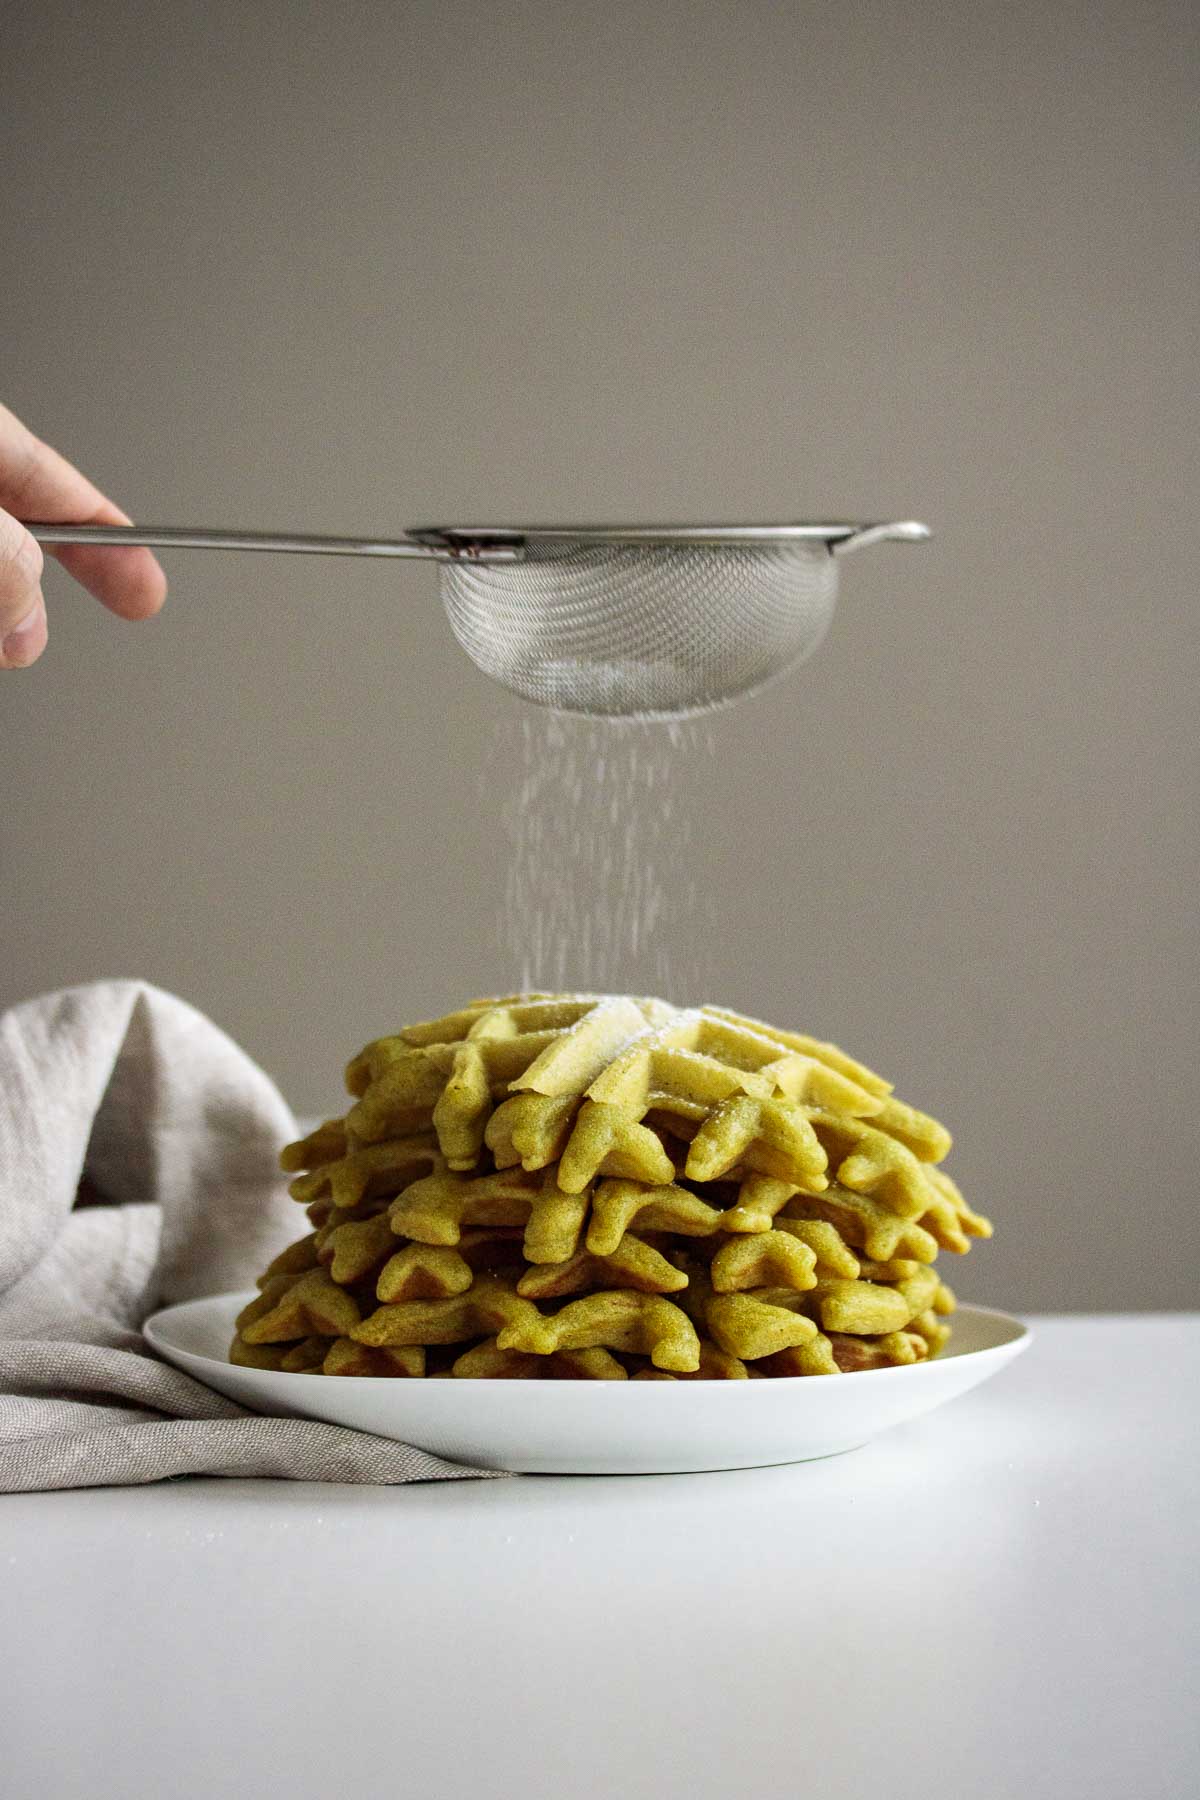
(602, 892)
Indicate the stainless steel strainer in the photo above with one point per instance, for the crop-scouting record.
(626, 620)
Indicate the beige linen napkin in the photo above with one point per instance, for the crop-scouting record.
(138, 1165)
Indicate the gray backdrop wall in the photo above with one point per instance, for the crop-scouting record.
(363, 265)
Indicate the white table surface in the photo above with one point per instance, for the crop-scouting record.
(998, 1600)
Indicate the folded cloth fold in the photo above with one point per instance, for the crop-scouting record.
(138, 1166)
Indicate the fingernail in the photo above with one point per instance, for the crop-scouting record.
(26, 641)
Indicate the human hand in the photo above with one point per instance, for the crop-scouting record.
(36, 483)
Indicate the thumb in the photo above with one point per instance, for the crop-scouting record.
(22, 610)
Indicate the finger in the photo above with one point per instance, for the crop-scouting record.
(22, 613)
(129, 581)
(37, 483)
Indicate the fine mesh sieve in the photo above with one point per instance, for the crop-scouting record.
(617, 619)
(652, 623)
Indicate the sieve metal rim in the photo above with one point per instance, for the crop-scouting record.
(838, 538)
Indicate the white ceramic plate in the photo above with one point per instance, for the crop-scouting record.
(600, 1427)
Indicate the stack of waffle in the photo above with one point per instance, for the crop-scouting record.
(605, 1188)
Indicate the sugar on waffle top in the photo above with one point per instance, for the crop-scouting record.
(600, 1186)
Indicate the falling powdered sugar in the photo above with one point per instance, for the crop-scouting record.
(601, 890)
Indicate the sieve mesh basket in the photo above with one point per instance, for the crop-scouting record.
(641, 629)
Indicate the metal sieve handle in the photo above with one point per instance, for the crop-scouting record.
(194, 537)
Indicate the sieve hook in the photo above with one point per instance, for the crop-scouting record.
(904, 531)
